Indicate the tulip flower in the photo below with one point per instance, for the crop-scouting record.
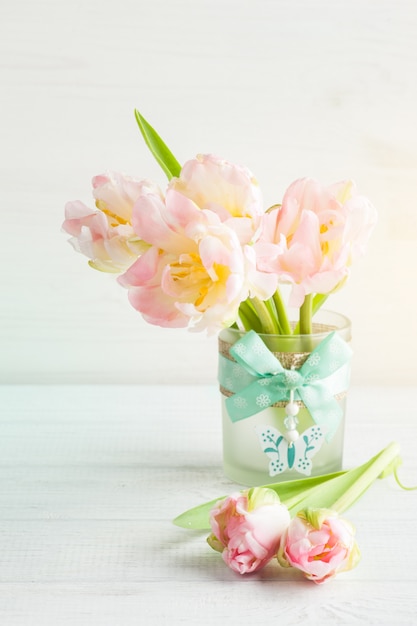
(320, 544)
(195, 272)
(313, 238)
(227, 189)
(106, 235)
(247, 528)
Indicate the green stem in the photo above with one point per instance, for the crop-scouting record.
(249, 318)
(282, 313)
(269, 325)
(270, 305)
(306, 313)
(318, 300)
(244, 323)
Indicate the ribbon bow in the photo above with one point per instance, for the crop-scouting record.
(273, 383)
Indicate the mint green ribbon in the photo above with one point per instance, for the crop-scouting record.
(265, 381)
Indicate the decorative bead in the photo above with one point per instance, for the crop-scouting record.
(292, 435)
(291, 422)
(292, 409)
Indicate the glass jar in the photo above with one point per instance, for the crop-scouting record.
(280, 442)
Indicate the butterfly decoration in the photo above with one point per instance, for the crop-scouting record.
(286, 453)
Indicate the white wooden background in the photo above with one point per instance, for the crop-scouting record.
(92, 476)
(288, 87)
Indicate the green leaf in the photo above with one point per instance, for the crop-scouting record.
(337, 491)
(161, 152)
(343, 490)
(197, 518)
(294, 489)
(358, 480)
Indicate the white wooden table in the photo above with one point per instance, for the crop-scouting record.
(91, 477)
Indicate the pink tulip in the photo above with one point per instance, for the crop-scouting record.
(195, 272)
(312, 239)
(320, 544)
(229, 190)
(247, 528)
(106, 235)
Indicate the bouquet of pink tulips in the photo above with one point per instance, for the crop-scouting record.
(206, 254)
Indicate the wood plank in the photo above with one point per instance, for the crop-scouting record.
(86, 508)
(342, 603)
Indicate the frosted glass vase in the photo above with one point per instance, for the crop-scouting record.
(273, 444)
